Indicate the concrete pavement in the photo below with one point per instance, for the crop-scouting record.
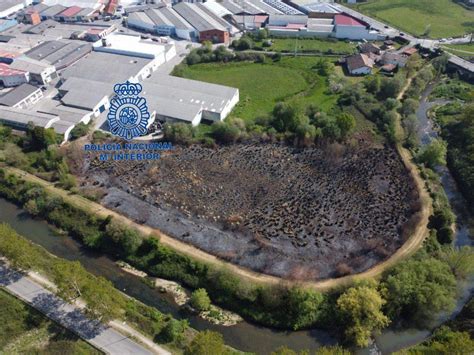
(70, 317)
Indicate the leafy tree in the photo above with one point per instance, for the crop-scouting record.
(324, 67)
(15, 156)
(409, 107)
(360, 308)
(303, 307)
(410, 124)
(18, 251)
(31, 207)
(225, 132)
(127, 239)
(243, 44)
(418, 290)
(440, 63)
(200, 300)
(174, 330)
(442, 220)
(207, 343)
(79, 130)
(461, 261)
(70, 279)
(285, 117)
(433, 154)
(179, 133)
(446, 341)
(39, 138)
(389, 87)
(346, 123)
(101, 299)
(372, 84)
(193, 58)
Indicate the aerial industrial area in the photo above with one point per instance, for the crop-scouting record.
(51, 51)
(225, 177)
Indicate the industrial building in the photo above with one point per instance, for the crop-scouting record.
(19, 119)
(176, 99)
(22, 96)
(60, 54)
(163, 21)
(348, 27)
(84, 74)
(209, 27)
(338, 25)
(10, 77)
(9, 7)
(40, 73)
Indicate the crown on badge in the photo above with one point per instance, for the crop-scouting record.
(128, 89)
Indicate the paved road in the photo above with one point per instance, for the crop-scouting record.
(70, 317)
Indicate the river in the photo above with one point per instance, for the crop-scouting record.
(244, 336)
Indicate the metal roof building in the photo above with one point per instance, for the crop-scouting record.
(20, 96)
(189, 100)
(198, 18)
(162, 21)
(52, 11)
(19, 118)
(60, 53)
(98, 66)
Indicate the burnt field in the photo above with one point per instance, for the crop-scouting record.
(299, 214)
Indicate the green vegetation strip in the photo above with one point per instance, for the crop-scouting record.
(434, 18)
(23, 330)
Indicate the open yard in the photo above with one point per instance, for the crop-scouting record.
(312, 45)
(442, 18)
(263, 85)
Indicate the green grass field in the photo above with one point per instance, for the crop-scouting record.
(461, 50)
(263, 85)
(444, 17)
(311, 45)
(23, 330)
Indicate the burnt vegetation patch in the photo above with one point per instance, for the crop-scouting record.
(296, 213)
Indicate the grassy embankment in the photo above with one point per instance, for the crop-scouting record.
(461, 50)
(23, 330)
(434, 18)
(311, 45)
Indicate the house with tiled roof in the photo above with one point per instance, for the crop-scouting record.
(359, 64)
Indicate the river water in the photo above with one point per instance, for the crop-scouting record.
(244, 336)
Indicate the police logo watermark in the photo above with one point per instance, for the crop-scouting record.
(128, 114)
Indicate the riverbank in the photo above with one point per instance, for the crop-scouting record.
(408, 248)
(214, 315)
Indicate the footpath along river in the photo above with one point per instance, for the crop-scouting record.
(244, 336)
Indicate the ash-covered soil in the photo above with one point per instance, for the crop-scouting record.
(300, 214)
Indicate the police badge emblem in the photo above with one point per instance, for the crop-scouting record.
(128, 114)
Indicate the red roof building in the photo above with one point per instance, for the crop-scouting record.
(70, 11)
(346, 20)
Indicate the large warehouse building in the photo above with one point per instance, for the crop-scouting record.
(177, 99)
(164, 21)
(209, 27)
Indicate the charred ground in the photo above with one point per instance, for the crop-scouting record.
(312, 213)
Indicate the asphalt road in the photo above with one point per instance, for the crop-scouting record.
(69, 316)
